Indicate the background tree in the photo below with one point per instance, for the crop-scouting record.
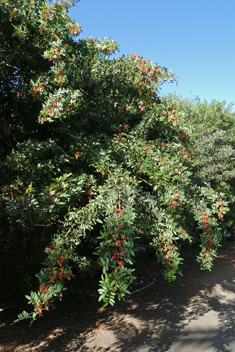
(212, 130)
(91, 158)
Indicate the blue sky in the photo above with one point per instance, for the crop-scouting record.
(195, 39)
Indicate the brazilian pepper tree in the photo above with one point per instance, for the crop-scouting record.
(89, 153)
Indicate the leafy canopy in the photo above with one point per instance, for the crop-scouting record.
(92, 156)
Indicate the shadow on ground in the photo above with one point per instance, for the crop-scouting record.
(196, 313)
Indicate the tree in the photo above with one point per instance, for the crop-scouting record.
(92, 156)
(212, 129)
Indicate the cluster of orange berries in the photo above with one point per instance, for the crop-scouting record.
(167, 249)
(206, 219)
(120, 137)
(162, 160)
(169, 109)
(60, 74)
(90, 190)
(175, 203)
(56, 276)
(116, 250)
(183, 137)
(55, 52)
(74, 29)
(21, 92)
(118, 254)
(11, 190)
(221, 206)
(34, 91)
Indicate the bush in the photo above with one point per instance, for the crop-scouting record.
(92, 156)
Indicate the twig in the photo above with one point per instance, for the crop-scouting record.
(71, 227)
(150, 184)
(142, 288)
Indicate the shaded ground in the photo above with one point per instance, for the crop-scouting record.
(196, 313)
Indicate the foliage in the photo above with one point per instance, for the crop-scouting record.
(213, 131)
(92, 156)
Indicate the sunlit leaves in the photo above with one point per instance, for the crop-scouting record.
(93, 156)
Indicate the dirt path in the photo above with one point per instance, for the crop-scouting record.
(198, 317)
(197, 313)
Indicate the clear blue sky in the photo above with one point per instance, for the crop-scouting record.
(195, 39)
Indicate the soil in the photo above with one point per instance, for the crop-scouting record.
(195, 313)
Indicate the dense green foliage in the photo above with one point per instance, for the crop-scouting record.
(212, 129)
(91, 159)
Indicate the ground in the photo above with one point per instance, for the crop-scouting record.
(195, 313)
